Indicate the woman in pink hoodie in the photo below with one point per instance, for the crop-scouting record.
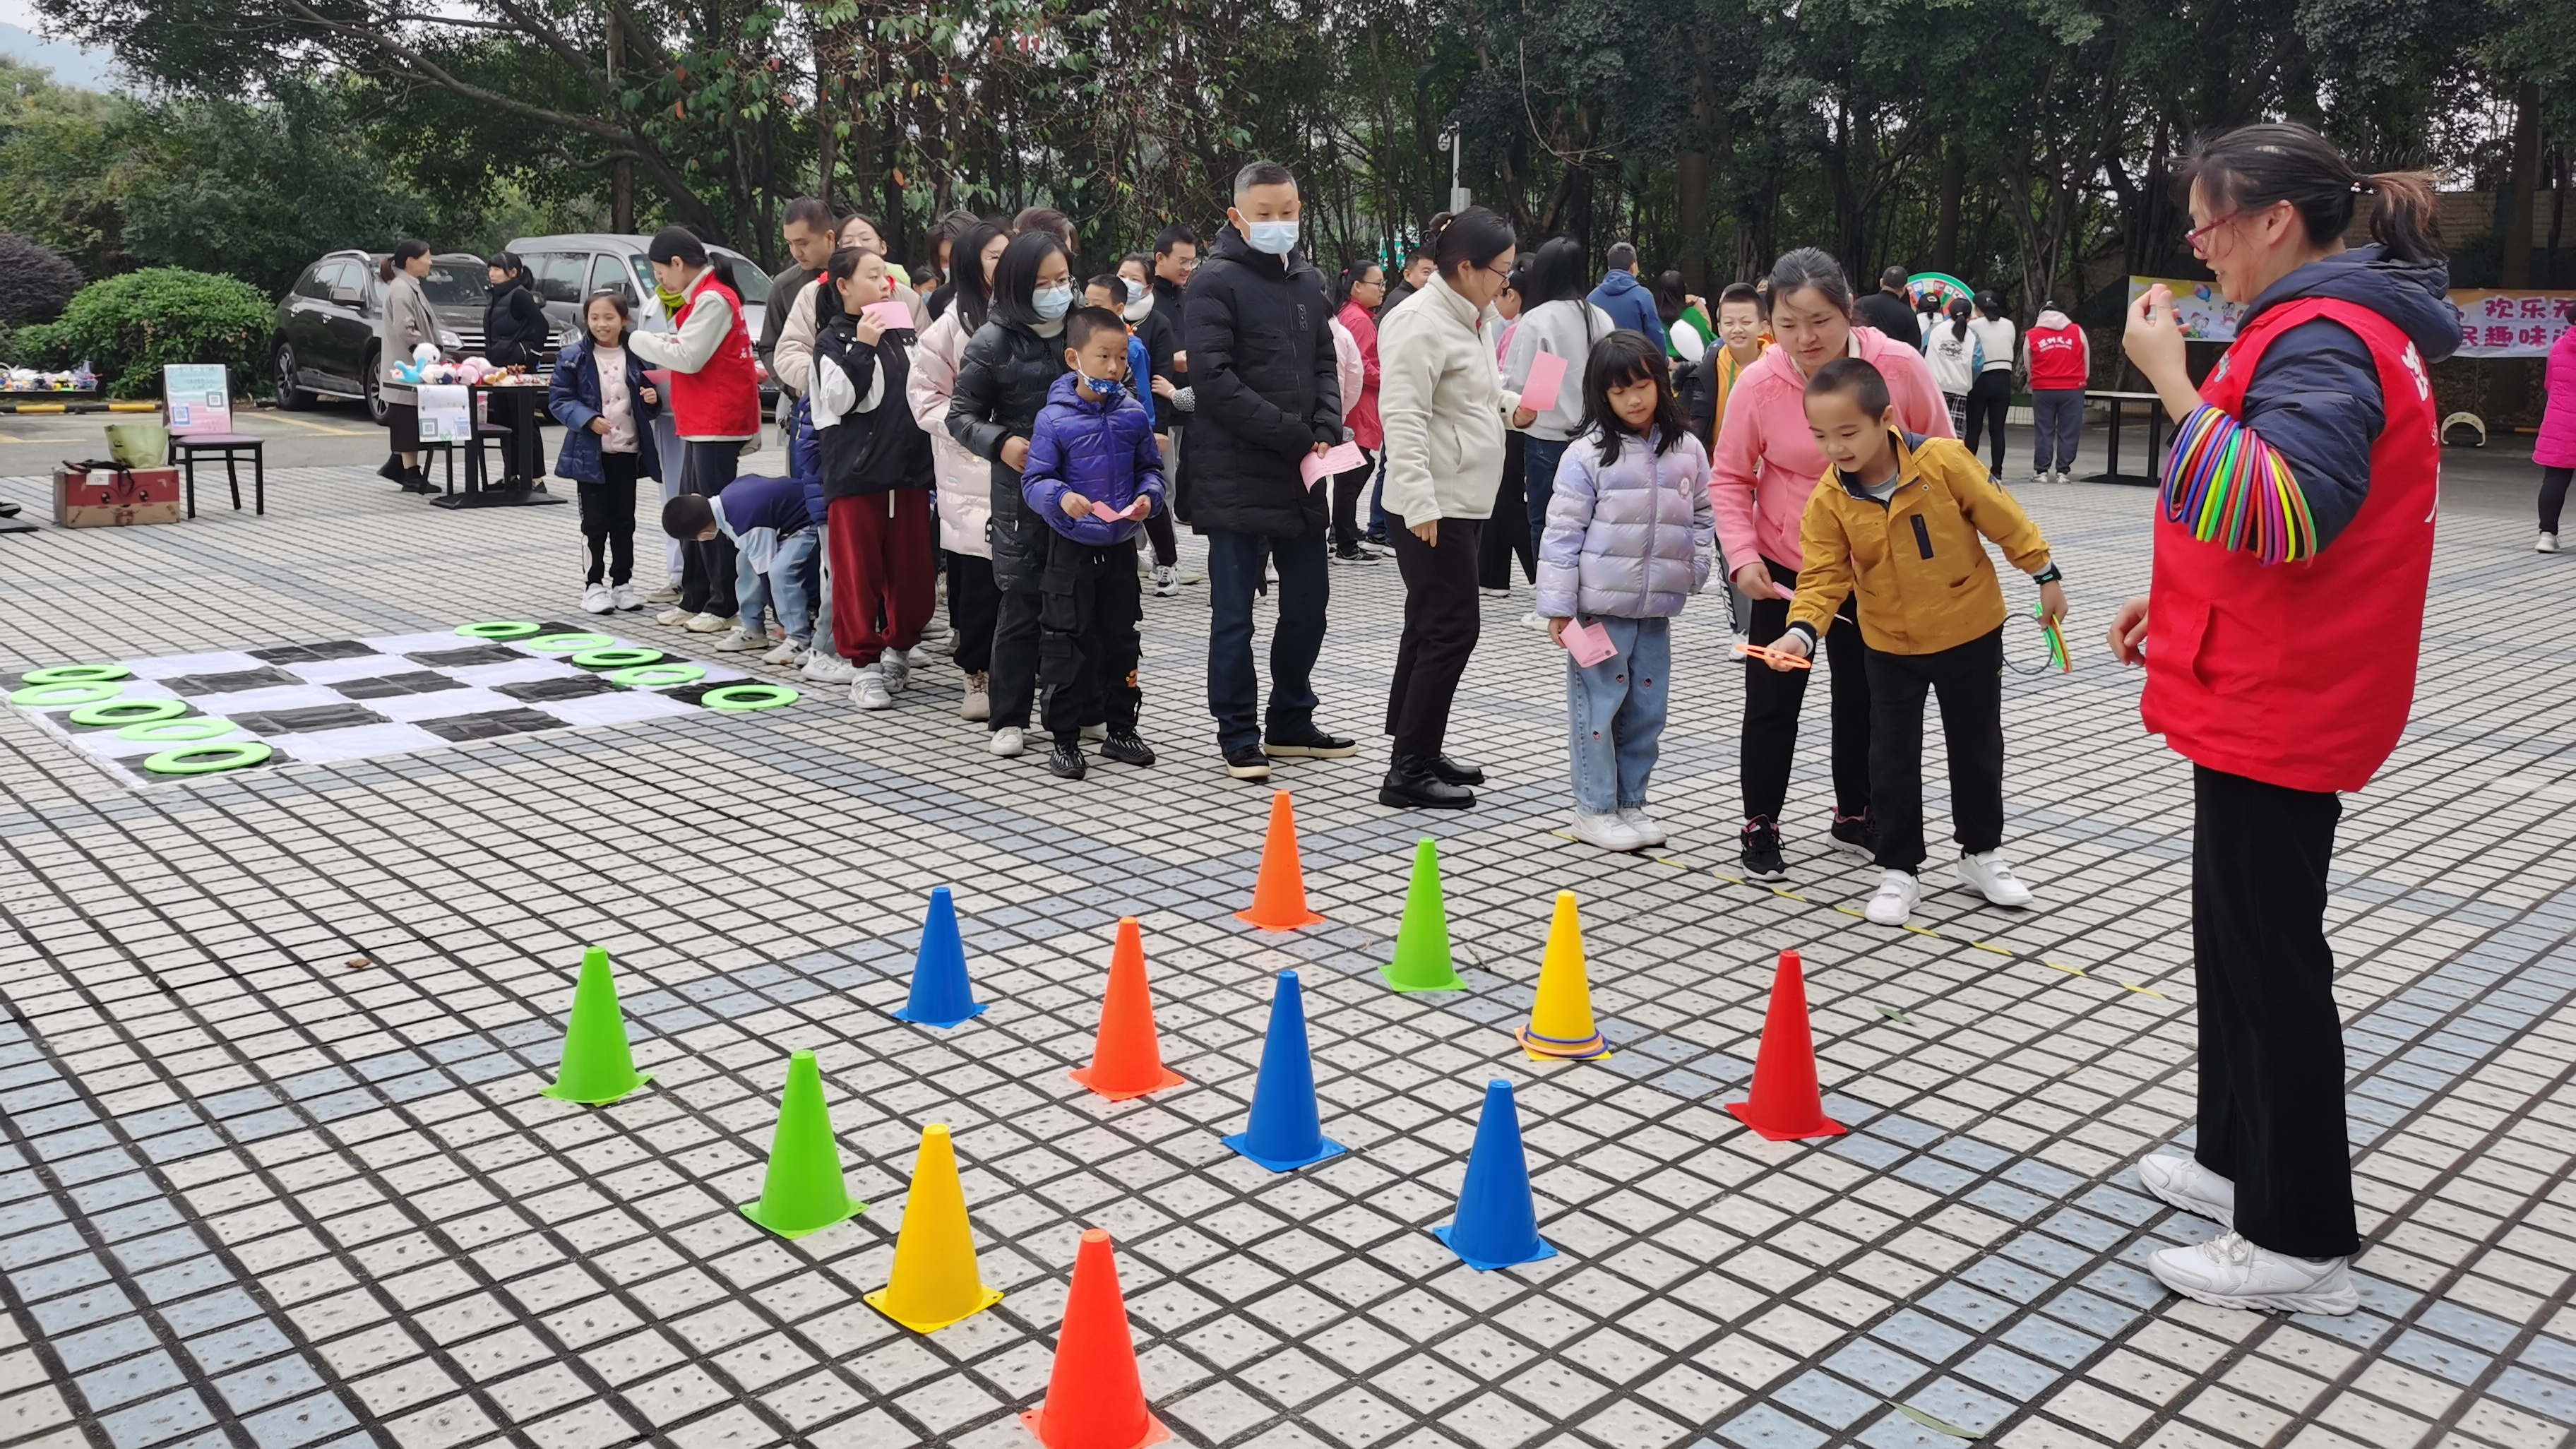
(1767, 464)
(2556, 450)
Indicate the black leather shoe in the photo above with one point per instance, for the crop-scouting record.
(1124, 747)
(1454, 773)
(1314, 744)
(417, 481)
(1410, 785)
(1065, 761)
(1247, 762)
(392, 471)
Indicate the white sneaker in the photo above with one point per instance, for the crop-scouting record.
(674, 617)
(1531, 620)
(896, 669)
(2179, 1179)
(735, 639)
(1502, 593)
(785, 651)
(1607, 831)
(1095, 733)
(2064, 476)
(919, 656)
(1167, 580)
(1007, 741)
(1897, 892)
(2232, 1273)
(597, 600)
(978, 703)
(667, 594)
(624, 598)
(1641, 824)
(868, 689)
(2548, 543)
(712, 624)
(1991, 876)
(823, 668)
(2038, 477)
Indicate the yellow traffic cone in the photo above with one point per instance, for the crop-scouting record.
(1560, 1026)
(935, 1282)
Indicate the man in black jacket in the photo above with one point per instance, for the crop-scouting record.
(1888, 308)
(1260, 358)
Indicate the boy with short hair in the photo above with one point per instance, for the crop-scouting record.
(1897, 517)
(771, 523)
(1094, 474)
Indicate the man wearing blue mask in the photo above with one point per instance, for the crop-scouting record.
(1261, 368)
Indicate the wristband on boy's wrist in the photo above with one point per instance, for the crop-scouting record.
(2048, 575)
(1806, 633)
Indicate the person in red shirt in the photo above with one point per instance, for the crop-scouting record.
(2059, 358)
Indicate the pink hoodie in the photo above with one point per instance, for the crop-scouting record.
(1766, 440)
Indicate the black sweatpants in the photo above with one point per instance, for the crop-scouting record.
(1969, 680)
(1348, 489)
(1989, 398)
(1158, 532)
(608, 517)
(2271, 1040)
(1013, 665)
(1089, 603)
(974, 601)
(707, 568)
(1441, 622)
(1495, 550)
(1772, 698)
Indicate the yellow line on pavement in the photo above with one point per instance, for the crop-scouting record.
(323, 428)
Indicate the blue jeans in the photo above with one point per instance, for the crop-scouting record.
(1377, 499)
(788, 586)
(1234, 690)
(1538, 482)
(1615, 714)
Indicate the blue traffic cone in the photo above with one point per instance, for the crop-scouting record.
(1497, 1223)
(941, 994)
(1285, 1132)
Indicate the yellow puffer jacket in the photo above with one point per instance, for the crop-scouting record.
(1925, 580)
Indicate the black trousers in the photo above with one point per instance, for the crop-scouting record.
(1969, 680)
(608, 517)
(1348, 489)
(1988, 399)
(2271, 1039)
(973, 604)
(1495, 549)
(1089, 603)
(707, 568)
(526, 449)
(1772, 698)
(1441, 621)
(1013, 664)
(1158, 532)
(2553, 495)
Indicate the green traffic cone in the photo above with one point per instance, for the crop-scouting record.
(804, 1192)
(598, 1068)
(1422, 943)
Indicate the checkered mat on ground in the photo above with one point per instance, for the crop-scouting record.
(346, 699)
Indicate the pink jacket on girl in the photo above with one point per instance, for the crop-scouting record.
(2557, 445)
(1767, 461)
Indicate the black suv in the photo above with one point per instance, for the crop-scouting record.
(326, 324)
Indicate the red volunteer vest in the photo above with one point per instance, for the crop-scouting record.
(721, 399)
(2056, 356)
(2300, 675)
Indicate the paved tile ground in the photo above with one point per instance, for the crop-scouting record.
(250, 1196)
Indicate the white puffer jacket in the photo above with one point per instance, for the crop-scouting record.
(1633, 539)
(965, 481)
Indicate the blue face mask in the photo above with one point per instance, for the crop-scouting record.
(1278, 238)
(1107, 389)
(1051, 302)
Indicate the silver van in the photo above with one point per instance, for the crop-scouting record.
(570, 267)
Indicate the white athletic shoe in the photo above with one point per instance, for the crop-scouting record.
(1502, 593)
(712, 624)
(2230, 1272)
(2179, 1179)
(1007, 741)
(624, 598)
(1642, 825)
(827, 668)
(1897, 892)
(736, 640)
(1607, 831)
(978, 703)
(1167, 580)
(674, 617)
(1531, 620)
(1991, 876)
(2547, 543)
(597, 600)
(868, 689)
(2064, 476)
(2038, 476)
(785, 651)
(667, 594)
(919, 656)
(896, 669)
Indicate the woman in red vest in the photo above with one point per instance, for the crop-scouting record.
(715, 403)
(2293, 546)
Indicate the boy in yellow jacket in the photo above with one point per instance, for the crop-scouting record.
(1898, 519)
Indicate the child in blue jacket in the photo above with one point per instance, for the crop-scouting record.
(600, 396)
(774, 524)
(1094, 474)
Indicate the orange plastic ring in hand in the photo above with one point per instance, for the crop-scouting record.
(1769, 655)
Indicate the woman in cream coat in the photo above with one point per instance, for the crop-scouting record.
(406, 324)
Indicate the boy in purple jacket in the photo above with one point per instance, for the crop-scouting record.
(1094, 474)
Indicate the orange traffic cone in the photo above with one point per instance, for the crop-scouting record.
(1095, 1400)
(1279, 897)
(1127, 1059)
(1786, 1105)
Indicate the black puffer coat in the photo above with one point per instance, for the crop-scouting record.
(1261, 364)
(1002, 382)
(874, 446)
(516, 331)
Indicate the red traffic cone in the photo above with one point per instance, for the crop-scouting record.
(1094, 1398)
(1786, 1105)
(1127, 1059)
(1279, 893)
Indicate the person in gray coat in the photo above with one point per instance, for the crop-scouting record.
(407, 322)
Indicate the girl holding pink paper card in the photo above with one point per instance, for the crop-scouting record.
(1630, 537)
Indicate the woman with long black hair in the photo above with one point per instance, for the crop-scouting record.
(1556, 317)
(1991, 397)
(407, 323)
(516, 333)
(715, 400)
(965, 481)
(2279, 635)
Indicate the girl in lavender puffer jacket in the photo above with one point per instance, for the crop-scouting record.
(1630, 536)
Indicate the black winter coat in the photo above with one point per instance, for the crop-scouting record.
(1162, 335)
(1261, 364)
(1002, 382)
(516, 331)
(881, 449)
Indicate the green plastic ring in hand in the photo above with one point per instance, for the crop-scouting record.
(497, 629)
(570, 643)
(78, 674)
(208, 759)
(624, 658)
(45, 696)
(658, 676)
(176, 731)
(734, 698)
(128, 711)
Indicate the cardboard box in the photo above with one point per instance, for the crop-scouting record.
(113, 498)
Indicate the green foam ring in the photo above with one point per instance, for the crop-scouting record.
(209, 759)
(621, 658)
(47, 696)
(176, 731)
(497, 629)
(128, 711)
(658, 676)
(77, 674)
(735, 698)
(568, 643)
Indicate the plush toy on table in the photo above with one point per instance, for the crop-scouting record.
(417, 368)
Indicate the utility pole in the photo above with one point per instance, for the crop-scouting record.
(1449, 142)
(621, 172)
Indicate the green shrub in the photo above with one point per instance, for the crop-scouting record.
(129, 327)
(36, 282)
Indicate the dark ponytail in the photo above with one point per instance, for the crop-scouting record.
(1958, 318)
(2259, 166)
(1470, 238)
(403, 252)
